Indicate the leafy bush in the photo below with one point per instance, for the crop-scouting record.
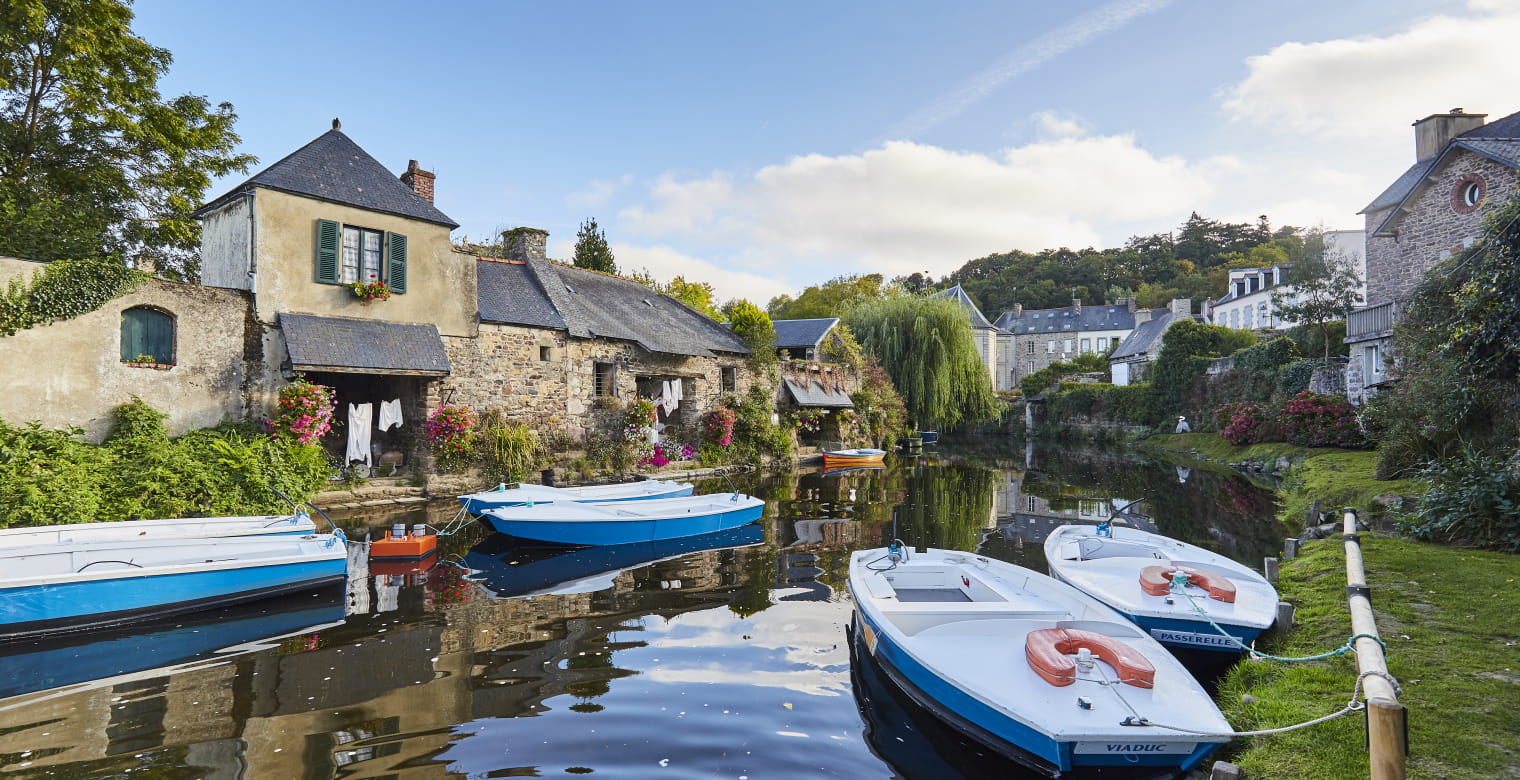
(49, 476)
(507, 451)
(1294, 377)
(304, 411)
(1474, 499)
(62, 290)
(718, 426)
(1266, 358)
(1246, 423)
(1314, 420)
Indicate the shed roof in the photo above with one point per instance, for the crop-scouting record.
(815, 394)
(334, 168)
(356, 346)
(793, 334)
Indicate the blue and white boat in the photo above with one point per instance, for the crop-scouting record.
(297, 524)
(523, 493)
(626, 521)
(507, 568)
(1183, 595)
(57, 587)
(948, 629)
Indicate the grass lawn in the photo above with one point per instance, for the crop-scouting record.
(1449, 617)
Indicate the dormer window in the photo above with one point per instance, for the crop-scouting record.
(350, 254)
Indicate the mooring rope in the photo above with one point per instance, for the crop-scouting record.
(1355, 705)
(1343, 649)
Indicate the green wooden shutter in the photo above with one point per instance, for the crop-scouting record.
(328, 245)
(396, 260)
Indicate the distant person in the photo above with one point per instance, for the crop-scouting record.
(1182, 425)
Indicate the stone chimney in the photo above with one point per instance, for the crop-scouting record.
(1434, 132)
(1076, 306)
(525, 243)
(419, 180)
(1182, 307)
(1018, 310)
(1129, 303)
(1142, 316)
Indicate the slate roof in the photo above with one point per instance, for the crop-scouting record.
(1068, 320)
(587, 304)
(795, 334)
(1498, 140)
(510, 293)
(362, 346)
(1144, 336)
(333, 168)
(815, 394)
(960, 296)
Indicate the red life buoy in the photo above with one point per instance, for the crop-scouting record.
(1157, 581)
(1048, 652)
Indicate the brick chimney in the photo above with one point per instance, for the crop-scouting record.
(525, 243)
(419, 180)
(1434, 132)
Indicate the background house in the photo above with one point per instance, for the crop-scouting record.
(1039, 337)
(1463, 168)
(1135, 354)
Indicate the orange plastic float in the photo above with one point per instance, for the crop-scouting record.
(411, 546)
(1157, 581)
(1048, 651)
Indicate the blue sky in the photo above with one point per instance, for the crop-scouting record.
(765, 147)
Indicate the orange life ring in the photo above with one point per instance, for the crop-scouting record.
(1157, 581)
(1048, 651)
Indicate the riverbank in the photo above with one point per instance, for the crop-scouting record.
(1446, 614)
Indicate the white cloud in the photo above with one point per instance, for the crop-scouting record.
(908, 207)
(1361, 88)
(597, 192)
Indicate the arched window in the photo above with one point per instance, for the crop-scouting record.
(147, 333)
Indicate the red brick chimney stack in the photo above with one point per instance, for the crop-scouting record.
(419, 180)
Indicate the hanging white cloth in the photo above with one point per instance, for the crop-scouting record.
(390, 414)
(359, 416)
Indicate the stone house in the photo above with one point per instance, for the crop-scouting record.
(1135, 354)
(1463, 168)
(542, 342)
(812, 370)
(555, 342)
(1037, 338)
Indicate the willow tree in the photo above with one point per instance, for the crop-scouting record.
(927, 347)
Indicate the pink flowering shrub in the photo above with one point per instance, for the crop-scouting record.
(305, 411)
(1245, 423)
(1314, 420)
(667, 452)
(718, 424)
(637, 418)
(451, 432)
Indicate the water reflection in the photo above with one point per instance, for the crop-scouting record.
(725, 661)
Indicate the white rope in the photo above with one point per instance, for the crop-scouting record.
(1352, 706)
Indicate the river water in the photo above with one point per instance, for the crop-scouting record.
(719, 658)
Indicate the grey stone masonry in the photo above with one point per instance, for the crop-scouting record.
(1433, 224)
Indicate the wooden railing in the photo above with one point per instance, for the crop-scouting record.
(1373, 319)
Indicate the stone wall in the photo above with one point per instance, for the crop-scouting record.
(1433, 226)
(503, 369)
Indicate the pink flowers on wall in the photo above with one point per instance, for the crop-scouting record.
(305, 411)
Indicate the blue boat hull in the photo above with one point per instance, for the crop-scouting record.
(603, 532)
(102, 603)
(1195, 634)
(1009, 737)
(51, 663)
(478, 506)
(516, 571)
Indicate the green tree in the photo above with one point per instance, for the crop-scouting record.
(697, 295)
(827, 299)
(1323, 288)
(1186, 349)
(591, 250)
(927, 347)
(751, 324)
(93, 160)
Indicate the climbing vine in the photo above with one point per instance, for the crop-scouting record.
(63, 290)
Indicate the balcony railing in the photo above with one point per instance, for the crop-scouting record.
(1373, 320)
